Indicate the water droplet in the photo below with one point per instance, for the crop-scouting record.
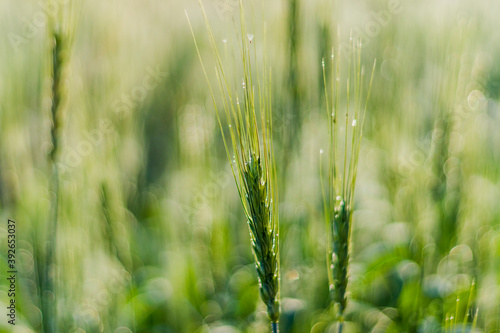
(333, 114)
(321, 151)
(332, 56)
(354, 121)
(243, 84)
(224, 40)
(229, 126)
(250, 37)
(323, 63)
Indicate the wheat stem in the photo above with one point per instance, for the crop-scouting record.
(341, 326)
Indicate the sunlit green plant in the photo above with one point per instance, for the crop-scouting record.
(249, 133)
(61, 35)
(343, 158)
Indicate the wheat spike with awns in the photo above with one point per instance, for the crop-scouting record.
(342, 166)
(248, 143)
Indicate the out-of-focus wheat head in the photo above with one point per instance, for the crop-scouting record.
(61, 32)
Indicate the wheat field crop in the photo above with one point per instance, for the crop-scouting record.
(177, 166)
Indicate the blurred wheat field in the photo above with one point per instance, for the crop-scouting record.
(151, 236)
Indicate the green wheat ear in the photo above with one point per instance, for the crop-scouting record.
(342, 168)
(249, 127)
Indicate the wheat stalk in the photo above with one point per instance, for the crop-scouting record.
(342, 168)
(252, 161)
(47, 279)
(61, 34)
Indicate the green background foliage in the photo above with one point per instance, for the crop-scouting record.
(151, 233)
